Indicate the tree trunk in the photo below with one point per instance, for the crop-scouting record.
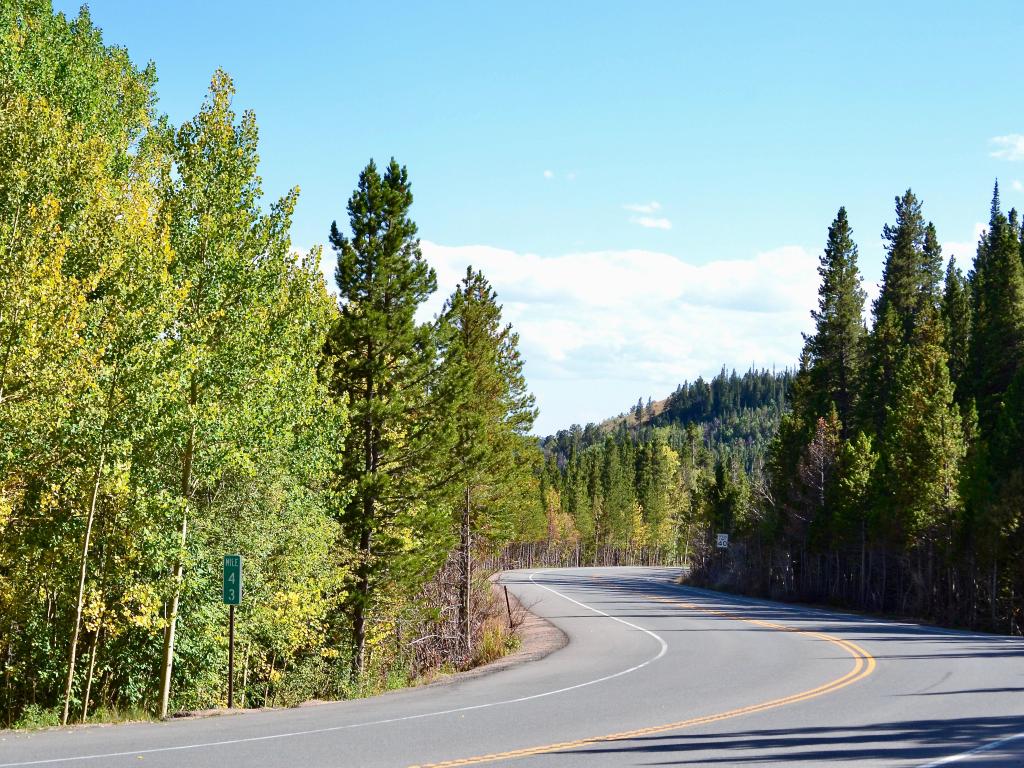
(83, 570)
(995, 588)
(167, 658)
(93, 652)
(245, 673)
(863, 565)
(465, 583)
(370, 461)
(359, 608)
(94, 649)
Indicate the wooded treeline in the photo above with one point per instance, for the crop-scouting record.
(652, 485)
(886, 473)
(896, 481)
(177, 384)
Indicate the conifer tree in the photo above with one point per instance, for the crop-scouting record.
(956, 318)
(922, 447)
(854, 471)
(908, 295)
(385, 364)
(495, 413)
(997, 340)
(836, 347)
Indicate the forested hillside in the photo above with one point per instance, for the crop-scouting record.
(643, 487)
(896, 482)
(177, 385)
(886, 473)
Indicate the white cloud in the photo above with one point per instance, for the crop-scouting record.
(1008, 147)
(599, 329)
(964, 250)
(548, 174)
(651, 222)
(650, 207)
(1017, 186)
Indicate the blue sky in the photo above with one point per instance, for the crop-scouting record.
(646, 184)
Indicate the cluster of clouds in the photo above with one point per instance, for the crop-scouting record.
(549, 174)
(598, 329)
(1008, 147)
(647, 217)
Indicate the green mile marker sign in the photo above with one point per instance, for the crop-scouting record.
(232, 579)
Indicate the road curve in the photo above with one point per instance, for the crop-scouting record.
(654, 674)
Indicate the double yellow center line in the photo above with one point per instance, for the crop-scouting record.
(864, 665)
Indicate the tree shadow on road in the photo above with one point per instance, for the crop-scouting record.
(913, 740)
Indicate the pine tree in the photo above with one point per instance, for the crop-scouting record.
(816, 471)
(956, 318)
(492, 423)
(997, 340)
(384, 363)
(922, 446)
(836, 347)
(909, 296)
(854, 471)
(616, 491)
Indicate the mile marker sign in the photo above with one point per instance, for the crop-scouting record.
(232, 579)
(722, 541)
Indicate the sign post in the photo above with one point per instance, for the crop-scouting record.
(232, 592)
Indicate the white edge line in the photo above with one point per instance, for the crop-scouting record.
(227, 742)
(971, 752)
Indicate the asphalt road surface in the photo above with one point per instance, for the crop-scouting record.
(654, 675)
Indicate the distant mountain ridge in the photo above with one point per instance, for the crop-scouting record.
(734, 413)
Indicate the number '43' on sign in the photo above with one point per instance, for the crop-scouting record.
(232, 579)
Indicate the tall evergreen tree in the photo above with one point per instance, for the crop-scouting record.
(385, 363)
(909, 294)
(997, 340)
(492, 421)
(956, 318)
(836, 347)
(922, 446)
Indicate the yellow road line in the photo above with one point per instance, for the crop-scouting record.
(864, 665)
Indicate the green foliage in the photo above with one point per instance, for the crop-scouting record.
(385, 366)
(997, 338)
(956, 317)
(493, 467)
(493, 413)
(915, 507)
(158, 365)
(835, 349)
(34, 717)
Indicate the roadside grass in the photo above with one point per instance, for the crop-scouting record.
(37, 718)
(497, 640)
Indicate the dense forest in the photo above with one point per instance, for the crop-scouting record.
(176, 384)
(886, 473)
(640, 488)
(896, 481)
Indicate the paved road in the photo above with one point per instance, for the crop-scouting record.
(654, 675)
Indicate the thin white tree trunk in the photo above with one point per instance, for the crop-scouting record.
(83, 570)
